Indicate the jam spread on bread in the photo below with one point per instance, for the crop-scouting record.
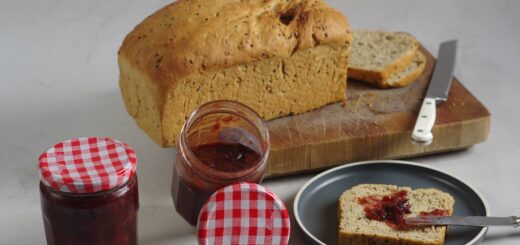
(392, 209)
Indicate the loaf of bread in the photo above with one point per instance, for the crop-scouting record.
(379, 56)
(355, 228)
(279, 57)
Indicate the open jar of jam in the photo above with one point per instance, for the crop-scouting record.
(88, 192)
(221, 143)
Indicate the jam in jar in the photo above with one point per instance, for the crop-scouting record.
(88, 192)
(221, 143)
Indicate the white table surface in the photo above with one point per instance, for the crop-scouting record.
(58, 80)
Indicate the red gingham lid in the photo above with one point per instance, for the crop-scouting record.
(87, 165)
(243, 213)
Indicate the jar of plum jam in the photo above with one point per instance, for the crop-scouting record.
(88, 192)
(221, 143)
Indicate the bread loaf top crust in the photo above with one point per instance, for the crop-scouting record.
(189, 37)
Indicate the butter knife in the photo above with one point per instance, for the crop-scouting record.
(437, 93)
(513, 221)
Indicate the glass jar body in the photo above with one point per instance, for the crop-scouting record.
(106, 217)
(219, 124)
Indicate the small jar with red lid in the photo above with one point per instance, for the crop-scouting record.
(89, 193)
(221, 143)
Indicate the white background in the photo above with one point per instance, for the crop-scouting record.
(58, 80)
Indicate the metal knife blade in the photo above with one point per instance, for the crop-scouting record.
(437, 92)
(440, 82)
(464, 220)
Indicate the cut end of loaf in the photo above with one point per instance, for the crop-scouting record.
(355, 228)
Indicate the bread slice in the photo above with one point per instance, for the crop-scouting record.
(355, 228)
(378, 55)
(408, 75)
(278, 57)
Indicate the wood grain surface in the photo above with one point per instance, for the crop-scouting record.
(374, 124)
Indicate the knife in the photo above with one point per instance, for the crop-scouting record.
(464, 220)
(437, 93)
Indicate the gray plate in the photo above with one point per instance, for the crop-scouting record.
(316, 204)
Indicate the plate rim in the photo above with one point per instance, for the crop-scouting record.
(477, 238)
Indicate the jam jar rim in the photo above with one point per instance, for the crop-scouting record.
(202, 111)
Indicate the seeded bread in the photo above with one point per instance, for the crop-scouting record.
(279, 57)
(355, 228)
(378, 55)
(408, 75)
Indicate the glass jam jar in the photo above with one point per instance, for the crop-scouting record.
(221, 143)
(89, 193)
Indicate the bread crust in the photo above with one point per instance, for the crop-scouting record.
(194, 36)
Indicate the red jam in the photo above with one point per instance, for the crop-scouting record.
(99, 218)
(222, 143)
(223, 157)
(391, 209)
(227, 157)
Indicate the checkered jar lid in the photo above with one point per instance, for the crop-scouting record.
(243, 213)
(87, 165)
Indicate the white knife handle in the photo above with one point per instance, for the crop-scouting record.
(422, 132)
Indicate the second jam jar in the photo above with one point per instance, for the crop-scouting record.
(88, 192)
(221, 143)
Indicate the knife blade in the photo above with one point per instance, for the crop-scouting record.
(437, 93)
(464, 220)
(440, 82)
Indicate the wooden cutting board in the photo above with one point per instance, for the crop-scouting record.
(374, 124)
